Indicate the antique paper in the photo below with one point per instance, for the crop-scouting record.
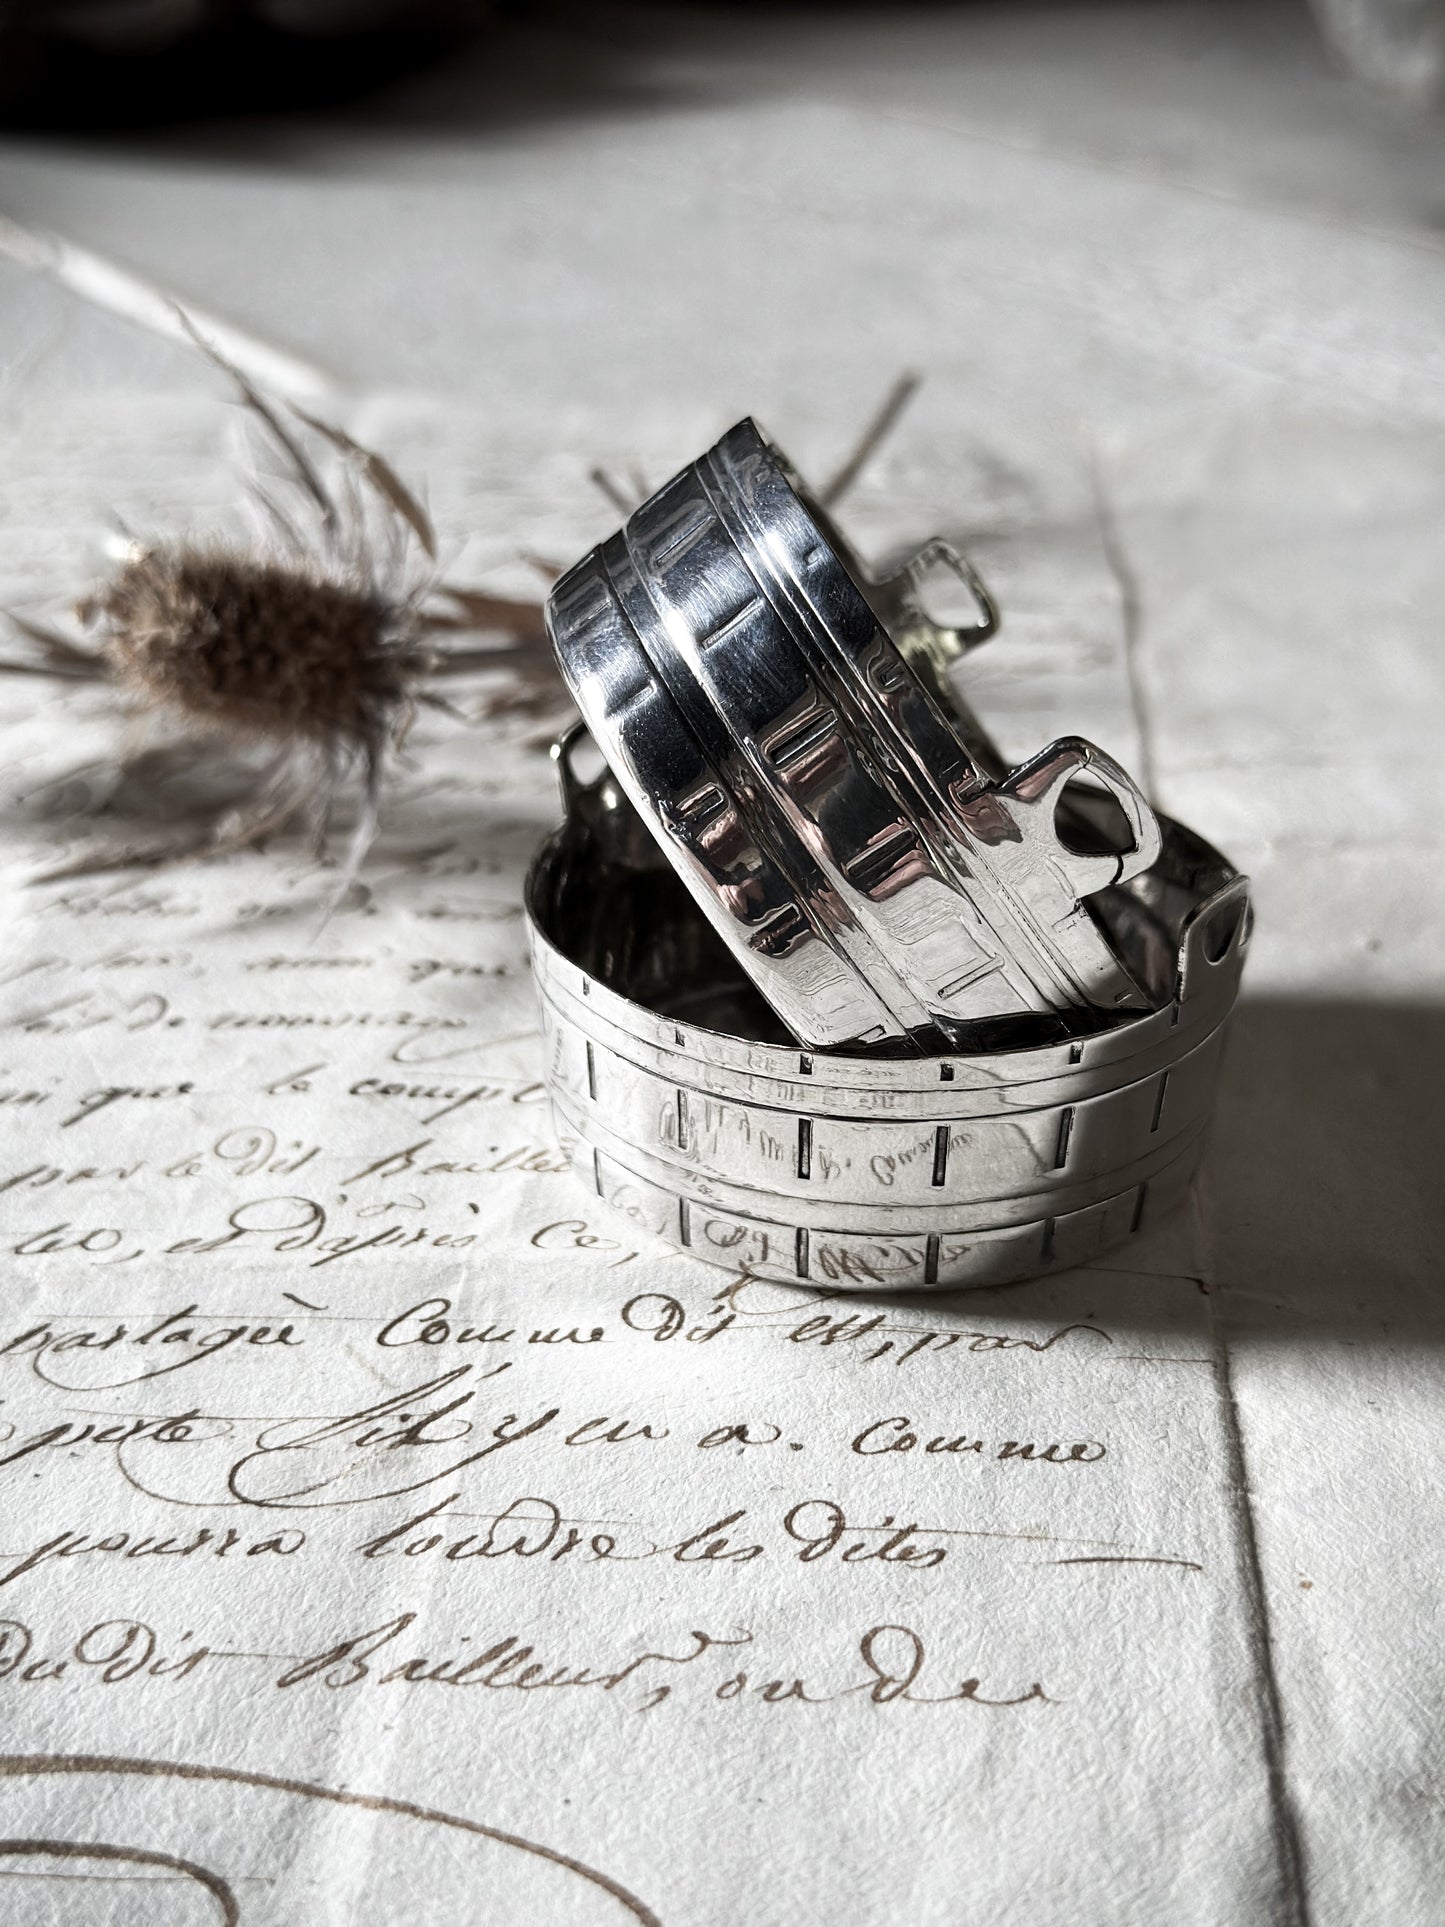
(386, 1533)
(349, 1445)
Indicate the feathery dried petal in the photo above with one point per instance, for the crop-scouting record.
(382, 477)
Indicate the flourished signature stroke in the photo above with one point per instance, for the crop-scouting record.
(28, 1765)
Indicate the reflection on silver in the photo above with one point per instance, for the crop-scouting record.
(689, 1109)
(786, 730)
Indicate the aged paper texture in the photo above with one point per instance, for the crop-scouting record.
(386, 1535)
(385, 1528)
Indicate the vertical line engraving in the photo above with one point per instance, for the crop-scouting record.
(684, 1222)
(940, 1154)
(1066, 1131)
(597, 1170)
(1046, 1243)
(805, 1066)
(591, 1072)
(1139, 1207)
(1159, 1100)
(805, 1147)
(683, 1121)
(800, 1251)
(930, 1259)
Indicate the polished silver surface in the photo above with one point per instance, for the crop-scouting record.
(780, 724)
(688, 1109)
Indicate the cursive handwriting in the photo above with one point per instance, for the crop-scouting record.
(889, 1665)
(896, 1435)
(170, 1343)
(867, 1335)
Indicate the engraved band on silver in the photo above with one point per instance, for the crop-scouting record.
(784, 727)
(688, 1110)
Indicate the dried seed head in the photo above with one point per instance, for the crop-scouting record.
(258, 648)
(321, 657)
(316, 646)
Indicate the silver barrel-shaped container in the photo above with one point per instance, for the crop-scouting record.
(687, 1110)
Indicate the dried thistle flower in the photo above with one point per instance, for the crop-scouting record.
(318, 646)
(321, 645)
(259, 648)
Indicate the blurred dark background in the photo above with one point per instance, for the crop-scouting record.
(77, 65)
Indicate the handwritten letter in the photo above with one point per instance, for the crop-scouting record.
(388, 1533)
